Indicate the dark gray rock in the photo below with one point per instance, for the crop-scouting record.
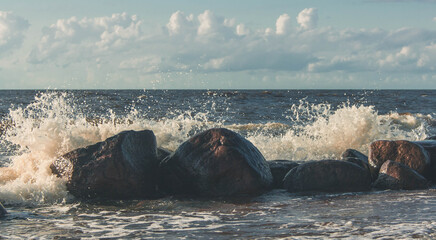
(352, 153)
(358, 162)
(395, 175)
(121, 167)
(409, 153)
(3, 211)
(354, 156)
(162, 153)
(279, 169)
(216, 162)
(430, 138)
(327, 176)
(430, 147)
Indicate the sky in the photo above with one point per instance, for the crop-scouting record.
(202, 44)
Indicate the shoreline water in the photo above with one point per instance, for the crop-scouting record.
(290, 125)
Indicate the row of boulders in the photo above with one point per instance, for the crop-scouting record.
(217, 162)
(220, 162)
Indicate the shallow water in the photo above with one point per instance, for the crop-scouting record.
(38, 126)
(278, 214)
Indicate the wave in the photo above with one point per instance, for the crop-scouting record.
(54, 124)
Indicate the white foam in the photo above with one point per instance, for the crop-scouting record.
(320, 132)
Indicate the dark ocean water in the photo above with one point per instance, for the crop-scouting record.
(36, 126)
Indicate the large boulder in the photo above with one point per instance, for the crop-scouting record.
(408, 153)
(279, 169)
(216, 162)
(121, 167)
(327, 176)
(3, 211)
(395, 175)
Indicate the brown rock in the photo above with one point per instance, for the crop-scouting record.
(327, 176)
(121, 167)
(217, 162)
(408, 153)
(395, 175)
(279, 169)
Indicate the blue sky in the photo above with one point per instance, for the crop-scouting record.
(244, 44)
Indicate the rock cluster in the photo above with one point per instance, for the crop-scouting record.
(221, 163)
(403, 164)
(395, 175)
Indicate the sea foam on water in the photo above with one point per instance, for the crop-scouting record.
(54, 124)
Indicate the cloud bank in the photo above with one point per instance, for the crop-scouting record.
(71, 40)
(209, 43)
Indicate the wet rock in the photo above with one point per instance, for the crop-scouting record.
(356, 157)
(162, 153)
(395, 175)
(430, 138)
(352, 153)
(408, 153)
(121, 167)
(430, 147)
(327, 176)
(358, 162)
(216, 162)
(279, 169)
(3, 211)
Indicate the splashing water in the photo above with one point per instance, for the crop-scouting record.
(319, 132)
(55, 123)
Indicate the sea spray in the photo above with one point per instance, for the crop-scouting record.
(54, 124)
(57, 122)
(320, 132)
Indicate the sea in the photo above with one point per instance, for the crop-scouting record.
(37, 126)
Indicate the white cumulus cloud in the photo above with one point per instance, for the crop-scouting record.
(283, 24)
(308, 18)
(74, 38)
(179, 23)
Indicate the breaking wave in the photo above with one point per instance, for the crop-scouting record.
(55, 123)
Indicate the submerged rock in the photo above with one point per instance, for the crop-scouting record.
(279, 169)
(408, 153)
(216, 162)
(121, 167)
(327, 176)
(395, 175)
(3, 211)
